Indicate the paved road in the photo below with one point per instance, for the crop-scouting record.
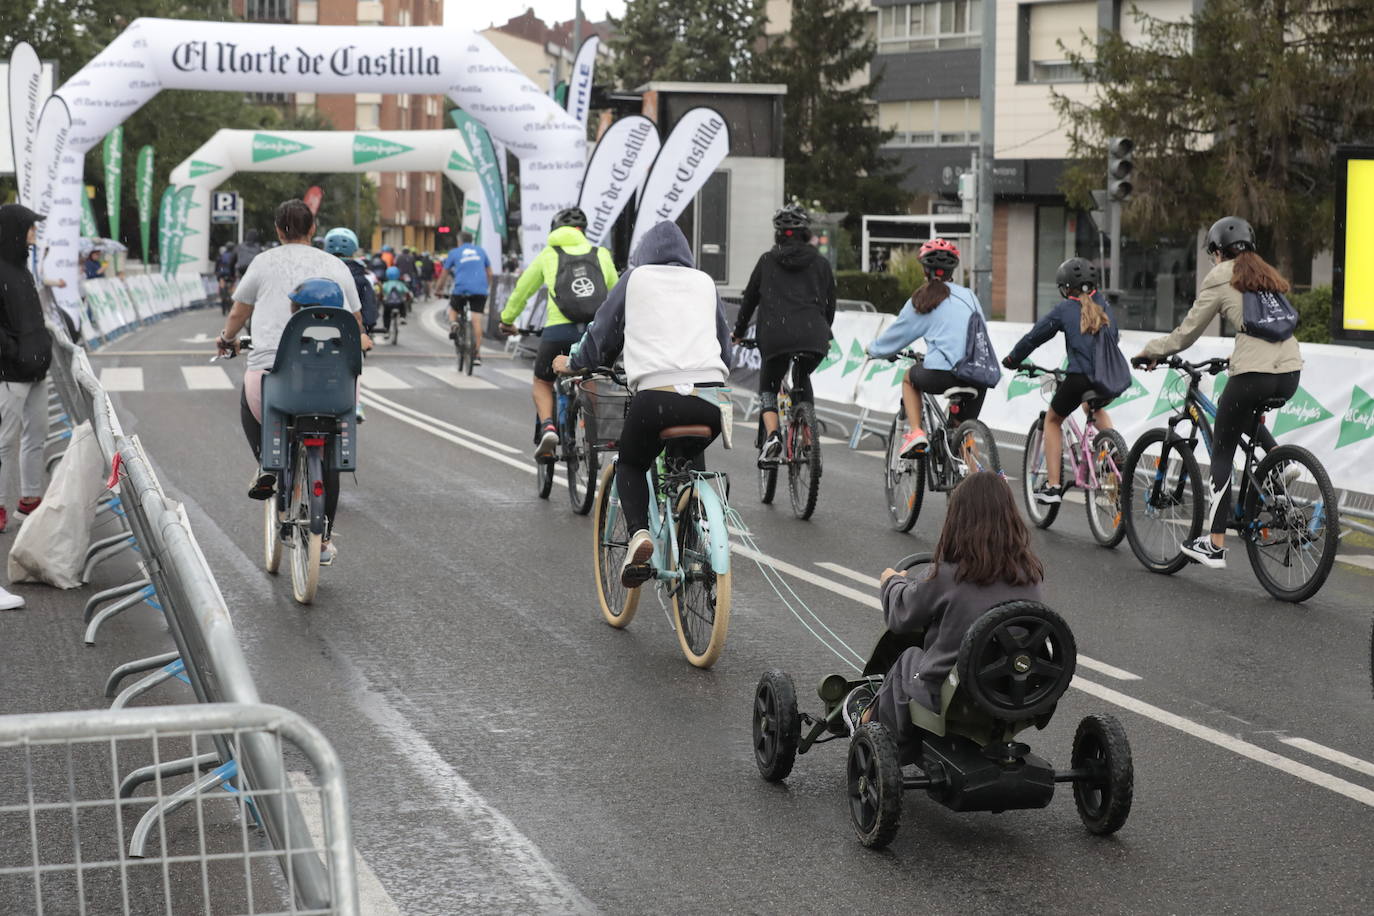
(509, 752)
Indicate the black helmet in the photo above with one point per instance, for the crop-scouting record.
(1076, 274)
(572, 216)
(792, 216)
(1230, 235)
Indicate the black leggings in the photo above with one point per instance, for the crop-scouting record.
(253, 430)
(650, 413)
(773, 371)
(1236, 411)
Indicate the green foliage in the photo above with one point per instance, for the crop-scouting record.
(1237, 111)
(708, 41)
(885, 291)
(905, 265)
(1314, 314)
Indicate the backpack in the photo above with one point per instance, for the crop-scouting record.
(1268, 316)
(979, 365)
(579, 287)
(394, 298)
(1111, 374)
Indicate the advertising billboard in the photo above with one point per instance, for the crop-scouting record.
(1352, 312)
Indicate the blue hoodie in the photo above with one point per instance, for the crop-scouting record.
(944, 328)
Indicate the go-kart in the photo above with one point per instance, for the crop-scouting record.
(1014, 664)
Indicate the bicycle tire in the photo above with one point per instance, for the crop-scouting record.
(701, 607)
(1282, 505)
(804, 465)
(393, 333)
(305, 544)
(618, 603)
(460, 345)
(581, 461)
(1104, 502)
(977, 448)
(470, 336)
(543, 478)
(271, 535)
(1158, 547)
(1041, 515)
(768, 476)
(904, 480)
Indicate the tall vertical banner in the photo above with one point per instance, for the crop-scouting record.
(49, 147)
(472, 219)
(166, 221)
(181, 225)
(26, 102)
(580, 83)
(114, 173)
(698, 143)
(488, 167)
(143, 193)
(616, 170)
(88, 227)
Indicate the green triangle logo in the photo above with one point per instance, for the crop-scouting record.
(857, 355)
(1136, 390)
(878, 366)
(1301, 410)
(1171, 395)
(199, 168)
(1020, 385)
(1219, 386)
(1357, 423)
(832, 357)
(370, 149)
(458, 163)
(266, 146)
(472, 207)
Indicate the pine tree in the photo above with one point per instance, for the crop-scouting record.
(697, 40)
(1236, 112)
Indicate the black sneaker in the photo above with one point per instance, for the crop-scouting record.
(1203, 551)
(859, 699)
(771, 451)
(1048, 495)
(262, 485)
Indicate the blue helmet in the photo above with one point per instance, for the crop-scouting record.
(386, 247)
(393, 273)
(318, 291)
(341, 242)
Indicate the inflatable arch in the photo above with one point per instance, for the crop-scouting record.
(231, 151)
(156, 54)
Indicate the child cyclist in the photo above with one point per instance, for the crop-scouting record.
(1079, 317)
(396, 298)
(938, 312)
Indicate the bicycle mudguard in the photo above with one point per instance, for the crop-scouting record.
(709, 486)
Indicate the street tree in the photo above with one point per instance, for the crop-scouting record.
(697, 40)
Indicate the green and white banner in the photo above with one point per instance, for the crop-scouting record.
(88, 227)
(143, 192)
(482, 154)
(113, 154)
(166, 223)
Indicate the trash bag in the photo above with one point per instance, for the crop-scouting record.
(51, 546)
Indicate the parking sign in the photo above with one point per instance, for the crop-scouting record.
(224, 207)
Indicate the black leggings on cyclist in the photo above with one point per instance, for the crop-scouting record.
(774, 370)
(1236, 411)
(650, 413)
(253, 430)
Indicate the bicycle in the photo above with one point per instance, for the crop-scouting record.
(801, 450)
(464, 340)
(1285, 511)
(1092, 461)
(954, 452)
(392, 312)
(688, 510)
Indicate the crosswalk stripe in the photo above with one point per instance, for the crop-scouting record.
(121, 378)
(520, 375)
(382, 380)
(206, 378)
(452, 377)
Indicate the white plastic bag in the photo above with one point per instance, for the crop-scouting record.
(51, 546)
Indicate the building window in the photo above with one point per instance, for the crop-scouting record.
(402, 181)
(267, 98)
(1046, 33)
(268, 11)
(308, 11)
(931, 122)
(930, 26)
(367, 116)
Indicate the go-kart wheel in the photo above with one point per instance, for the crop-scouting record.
(875, 785)
(1017, 660)
(777, 727)
(1103, 801)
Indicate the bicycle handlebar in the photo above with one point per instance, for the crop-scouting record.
(1214, 366)
(243, 343)
(1031, 370)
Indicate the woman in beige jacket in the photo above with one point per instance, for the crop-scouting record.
(1261, 370)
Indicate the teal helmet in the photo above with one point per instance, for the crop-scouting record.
(318, 291)
(341, 242)
(393, 273)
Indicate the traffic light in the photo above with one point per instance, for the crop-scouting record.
(443, 230)
(1120, 165)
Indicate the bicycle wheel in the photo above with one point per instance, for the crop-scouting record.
(804, 465)
(393, 333)
(460, 345)
(904, 480)
(1034, 472)
(609, 543)
(271, 535)
(977, 449)
(1104, 502)
(1161, 495)
(470, 335)
(1292, 524)
(581, 460)
(305, 544)
(768, 477)
(701, 606)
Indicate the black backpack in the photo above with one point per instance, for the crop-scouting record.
(1111, 374)
(579, 286)
(1268, 316)
(979, 365)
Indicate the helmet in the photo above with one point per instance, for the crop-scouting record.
(939, 257)
(1230, 235)
(386, 247)
(792, 216)
(1076, 274)
(318, 291)
(393, 273)
(341, 242)
(572, 216)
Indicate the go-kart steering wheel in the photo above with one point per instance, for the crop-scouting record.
(1017, 660)
(913, 560)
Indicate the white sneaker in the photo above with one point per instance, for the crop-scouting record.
(10, 601)
(636, 568)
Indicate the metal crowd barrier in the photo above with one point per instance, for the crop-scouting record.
(175, 579)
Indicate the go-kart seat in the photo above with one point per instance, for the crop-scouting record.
(315, 373)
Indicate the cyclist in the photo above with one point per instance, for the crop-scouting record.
(577, 275)
(343, 244)
(1079, 317)
(264, 294)
(938, 312)
(1261, 370)
(246, 252)
(793, 290)
(470, 269)
(396, 298)
(667, 318)
(224, 274)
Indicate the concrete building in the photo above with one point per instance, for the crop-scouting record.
(543, 52)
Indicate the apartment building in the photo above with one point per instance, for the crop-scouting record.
(409, 203)
(543, 52)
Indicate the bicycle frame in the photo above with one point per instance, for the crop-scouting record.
(663, 521)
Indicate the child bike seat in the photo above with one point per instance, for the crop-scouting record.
(315, 373)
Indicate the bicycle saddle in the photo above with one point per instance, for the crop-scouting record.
(1272, 403)
(961, 393)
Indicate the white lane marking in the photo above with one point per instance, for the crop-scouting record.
(520, 375)
(861, 578)
(1235, 745)
(1121, 674)
(121, 378)
(491, 443)
(452, 377)
(372, 895)
(433, 427)
(206, 378)
(1356, 559)
(831, 440)
(1335, 756)
(382, 380)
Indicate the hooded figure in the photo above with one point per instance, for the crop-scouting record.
(25, 347)
(246, 252)
(793, 290)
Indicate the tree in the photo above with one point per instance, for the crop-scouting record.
(830, 140)
(698, 40)
(1236, 111)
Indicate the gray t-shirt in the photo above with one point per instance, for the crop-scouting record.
(267, 286)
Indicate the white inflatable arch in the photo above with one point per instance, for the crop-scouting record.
(231, 151)
(156, 54)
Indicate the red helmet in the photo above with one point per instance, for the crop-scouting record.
(939, 257)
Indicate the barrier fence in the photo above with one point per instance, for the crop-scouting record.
(236, 742)
(115, 305)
